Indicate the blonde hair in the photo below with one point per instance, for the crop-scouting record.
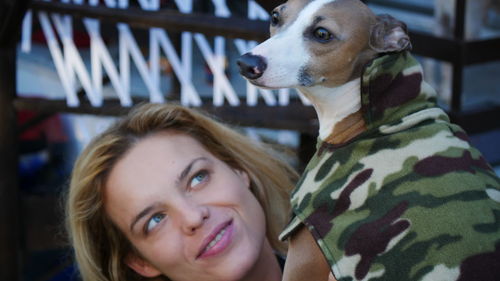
(99, 246)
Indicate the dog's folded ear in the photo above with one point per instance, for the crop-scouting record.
(389, 35)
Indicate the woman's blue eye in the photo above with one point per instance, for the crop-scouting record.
(198, 178)
(154, 221)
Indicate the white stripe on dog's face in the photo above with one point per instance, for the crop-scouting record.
(286, 53)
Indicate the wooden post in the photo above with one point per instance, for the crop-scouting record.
(9, 195)
(11, 16)
(458, 64)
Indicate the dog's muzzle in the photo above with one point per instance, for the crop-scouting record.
(251, 66)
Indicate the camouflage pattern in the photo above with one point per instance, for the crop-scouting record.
(408, 199)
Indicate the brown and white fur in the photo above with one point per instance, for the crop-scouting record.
(320, 47)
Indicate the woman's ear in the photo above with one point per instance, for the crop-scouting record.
(244, 176)
(141, 266)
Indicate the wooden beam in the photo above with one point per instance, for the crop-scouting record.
(295, 116)
(479, 120)
(482, 51)
(168, 19)
(269, 5)
(403, 5)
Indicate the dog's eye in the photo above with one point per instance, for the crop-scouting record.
(275, 18)
(322, 35)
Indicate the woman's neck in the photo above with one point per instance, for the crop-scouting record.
(266, 268)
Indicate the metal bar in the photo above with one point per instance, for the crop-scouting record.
(423, 44)
(459, 62)
(274, 117)
(419, 9)
(457, 86)
(269, 5)
(479, 120)
(263, 116)
(168, 19)
(459, 30)
(434, 47)
(450, 50)
(481, 51)
(10, 255)
(11, 16)
(45, 106)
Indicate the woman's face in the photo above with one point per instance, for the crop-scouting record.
(188, 214)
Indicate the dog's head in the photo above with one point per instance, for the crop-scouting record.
(320, 42)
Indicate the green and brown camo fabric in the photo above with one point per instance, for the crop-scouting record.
(409, 199)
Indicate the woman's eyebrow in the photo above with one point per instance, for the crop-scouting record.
(142, 214)
(188, 168)
(181, 177)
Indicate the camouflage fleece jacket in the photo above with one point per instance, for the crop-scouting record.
(408, 199)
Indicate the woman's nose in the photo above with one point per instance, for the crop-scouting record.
(193, 217)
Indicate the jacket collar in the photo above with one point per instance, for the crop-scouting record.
(392, 88)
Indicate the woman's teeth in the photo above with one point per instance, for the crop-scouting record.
(217, 239)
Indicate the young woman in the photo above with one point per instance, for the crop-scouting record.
(171, 194)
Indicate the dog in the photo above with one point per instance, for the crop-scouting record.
(394, 191)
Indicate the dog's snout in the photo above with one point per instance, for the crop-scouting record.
(251, 66)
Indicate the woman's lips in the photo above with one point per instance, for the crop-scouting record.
(217, 241)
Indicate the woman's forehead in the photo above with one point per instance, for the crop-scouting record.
(154, 164)
(168, 142)
(162, 153)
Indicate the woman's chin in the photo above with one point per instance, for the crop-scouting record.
(238, 266)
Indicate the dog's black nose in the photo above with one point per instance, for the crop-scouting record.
(251, 66)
